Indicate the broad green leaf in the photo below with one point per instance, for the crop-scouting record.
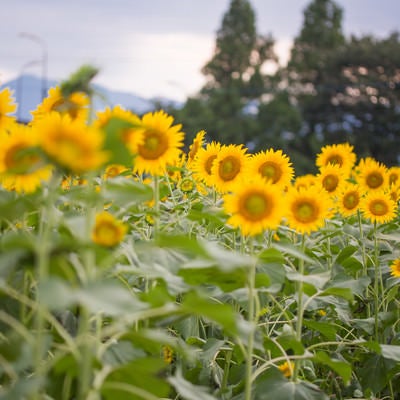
(391, 352)
(316, 280)
(355, 286)
(345, 253)
(290, 249)
(325, 328)
(187, 390)
(374, 373)
(220, 313)
(271, 261)
(343, 292)
(123, 191)
(340, 367)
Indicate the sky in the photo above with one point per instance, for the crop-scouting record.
(152, 47)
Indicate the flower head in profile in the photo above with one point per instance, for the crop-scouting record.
(372, 175)
(395, 268)
(348, 199)
(196, 145)
(156, 143)
(308, 208)
(76, 105)
(108, 230)
(204, 161)
(113, 170)
(229, 167)
(254, 206)
(22, 167)
(7, 107)
(71, 144)
(378, 206)
(337, 154)
(273, 166)
(304, 181)
(394, 175)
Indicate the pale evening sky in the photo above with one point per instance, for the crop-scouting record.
(154, 47)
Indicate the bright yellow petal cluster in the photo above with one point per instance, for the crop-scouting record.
(156, 143)
(204, 161)
(71, 144)
(21, 166)
(7, 106)
(196, 145)
(255, 206)
(308, 208)
(108, 230)
(330, 178)
(378, 206)
(348, 199)
(372, 175)
(229, 167)
(272, 165)
(341, 154)
(76, 105)
(395, 268)
(287, 369)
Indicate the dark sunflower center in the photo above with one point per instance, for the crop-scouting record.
(335, 159)
(374, 180)
(154, 146)
(66, 107)
(255, 206)
(351, 200)
(330, 183)
(305, 212)
(271, 171)
(378, 207)
(208, 164)
(229, 167)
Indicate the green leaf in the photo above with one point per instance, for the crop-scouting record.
(271, 262)
(187, 390)
(122, 191)
(345, 293)
(220, 313)
(377, 368)
(316, 280)
(340, 367)
(390, 352)
(345, 253)
(294, 251)
(326, 329)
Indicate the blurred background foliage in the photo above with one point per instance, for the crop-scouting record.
(333, 89)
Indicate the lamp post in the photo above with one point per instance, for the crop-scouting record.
(19, 86)
(44, 59)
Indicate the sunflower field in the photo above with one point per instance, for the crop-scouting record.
(132, 269)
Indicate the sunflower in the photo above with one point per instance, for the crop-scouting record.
(196, 145)
(287, 369)
(394, 175)
(338, 154)
(76, 105)
(229, 167)
(203, 162)
(308, 208)
(70, 143)
(273, 166)
(7, 106)
(378, 206)
(394, 192)
(155, 143)
(330, 177)
(114, 170)
(104, 117)
(395, 268)
(108, 231)
(254, 205)
(348, 199)
(21, 166)
(372, 175)
(304, 181)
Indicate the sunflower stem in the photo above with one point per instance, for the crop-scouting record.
(300, 308)
(376, 283)
(156, 205)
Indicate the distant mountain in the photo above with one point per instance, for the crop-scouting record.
(28, 89)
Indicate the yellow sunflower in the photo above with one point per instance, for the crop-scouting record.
(254, 206)
(308, 208)
(378, 206)
(272, 165)
(104, 117)
(76, 105)
(155, 143)
(229, 167)
(394, 192)
(287, 369)
(330, 177)
(372, 175)
(338, 154)
(7, 106)
(71, 143)
(114, 170)
(304, 181)
(108, 231)
(395, 268)
(196, 145)
(21, 166)
(394, 175)
(203, 162)
(348, 199)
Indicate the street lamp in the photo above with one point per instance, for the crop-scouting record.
(44, 59)
(19, 86)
